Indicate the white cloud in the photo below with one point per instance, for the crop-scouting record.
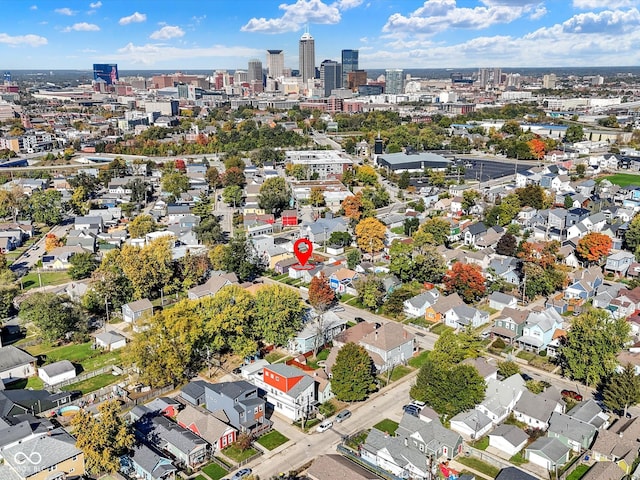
(597, 4)
(165, 33)
(347, 4)
(538, 13)
(151, 54)
(33, 7)
(298, 14)
(30, 39)
(65, 11)
(438, 15)
(83, 27)
(95, 5)
(133, 18)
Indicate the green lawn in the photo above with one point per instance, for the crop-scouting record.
(399, 372)
(624, 179)
(418, 360)
(92, 384)
(273, 357)
(440, 328)
(478, 465)
(31, 279)
(215, 471)
(579, 472)
(357, 440)
(272, 440)
(518, 458)
(81, 353)
(528, 356)
(238, 455)
(387, 425)
(31, 383)
(481, 444)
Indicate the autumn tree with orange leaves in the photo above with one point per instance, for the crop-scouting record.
(352, 207)
(467, 280)
(537, 148)
(321, 295)
(51, 242)
(593, 247)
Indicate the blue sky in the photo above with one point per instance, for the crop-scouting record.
(217, 34)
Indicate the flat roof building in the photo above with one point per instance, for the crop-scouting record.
(412, 162)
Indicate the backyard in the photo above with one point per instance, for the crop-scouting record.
(80, 353)
(214, 471)
(32, 279)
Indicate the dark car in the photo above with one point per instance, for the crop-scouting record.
(571, 394)
(245, 472)
(412, 410)
(343, 415)
(359, 319)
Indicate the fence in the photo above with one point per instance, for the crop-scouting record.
(487, 458)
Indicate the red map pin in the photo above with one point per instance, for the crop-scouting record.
(303, 255)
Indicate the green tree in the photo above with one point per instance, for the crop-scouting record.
(622, 390)
(591, 346)
(141, 225)
(632, 236)
(353, 376)
(45, 206)
(469, 198)
(175, 183)
(82, 265)
(316, 197)
(239, 257)
(78, 200)
(232, 195)
(532, 196)
(574, 133)
(8, 291)
(404, 180)
(581, 169)
(210, 232)
(568, 202)
(508, 368)
(395, 301)
(103, 438)
(410, 225)
(277, 314)
(233, 176)
(148, 268)
(438, 229)
(340, 238)
(213, 177)
(139, 189)
(370, 291)
(54, 315)
(274, 195)
(108, 285)
(354, 257)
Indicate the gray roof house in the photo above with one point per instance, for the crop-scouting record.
(471, 424)
(499, 301)
(536, 410)
(57, 372)
(15, 364)
(501, 397)
(240, 403)
(574, 433)
(142, 462)
(508, 438)
(462, 316)
(589, 411)
(133, 311)
(548, 452)
(194, 392)
(417, 306)
(110, 340)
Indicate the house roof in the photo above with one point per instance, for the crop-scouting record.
(209, 427)
(535, 406)
(510, 433)
(551, 448)
(447, 302)
(389, 336)
(472, 418)
(356, 333)
(58, 368)
(336, 467)
(110, 337)
(484, 367)
(11, 357)
(589, 411)
(513, 473)
(140, 305)
(502, 298)
(54, 448)
(604, 471)
(159, 429)
(425, 298)
(230, 389)
(195, 388)
(570, 427)
(149, 461)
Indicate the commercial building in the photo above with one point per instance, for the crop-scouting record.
(394, 81)
(326, 163)
(330, 76)
(275, 63)
(349, 64)
(307, 57)
(412, 162)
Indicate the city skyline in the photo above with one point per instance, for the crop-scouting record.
(409, 34)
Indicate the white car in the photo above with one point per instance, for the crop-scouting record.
(324, 426)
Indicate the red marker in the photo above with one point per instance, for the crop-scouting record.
(303, 256)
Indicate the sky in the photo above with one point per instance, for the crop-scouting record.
(225, 34)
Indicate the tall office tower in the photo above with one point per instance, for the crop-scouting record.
(349, 63)
(307, 57)
(549, 81)
(275, 63)
(240, 77)
(254, 72)
(394, 81)
(356, 78)
(492, 76)
(330, 76)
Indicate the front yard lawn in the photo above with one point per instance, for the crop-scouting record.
(418, 360)
(272, 440)
(31, 280)
(479, 465)
(215, 471)
(387, 425)
(528, 356)
(234, 453)
(400, 371)
(440, 328)
(92, 384)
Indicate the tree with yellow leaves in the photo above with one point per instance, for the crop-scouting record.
(370, 235)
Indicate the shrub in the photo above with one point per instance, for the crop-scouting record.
(498, 343)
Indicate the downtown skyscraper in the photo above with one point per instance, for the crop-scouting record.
(349, 64)
(275, 63)
(307, 57)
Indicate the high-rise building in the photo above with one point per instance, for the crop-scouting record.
(490, 76)
(105, 71)
(394, 81)
(254, 72)
(349, 63)
(330, 76)
(356, 78)
(275, 63)
(307, 57)
(549, 81)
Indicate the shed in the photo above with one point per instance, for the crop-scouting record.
(57, 372)
(110, 340)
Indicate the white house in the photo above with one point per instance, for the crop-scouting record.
(133, 311)
(15, 364)
(416, 307)
(110, 340)
(288, 389)
(471, 424)
(499, 300)
(57, 372)
(508, 439)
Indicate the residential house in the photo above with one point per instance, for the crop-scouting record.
(317, 331)
(93, 224)
(590, 411)
(57, 458)
(217, 433)
(585, 284)
(389, 345)
(627, 302)
(501, 397)
(486, 368)
(463, 316)
(539, 328)
(557, 218)
(34, 402)
(57, 372)
(240, 403)
(613, 447)
(506, 268)
(110, 341)
(354, 334)
(320, 230)
(536, 410)
(336, 467)
(618, 263)
(500, 301)
(390, 283)
(605, 471)
(508, 439)
(574, 433)
(213, 285)
(144, 463)
(471, 424)
(134, 312)
(166, 406)
(289, 218)
(194, 392)
(416, 306)
(60, 257)
(489, 239)
(289, 390)
(482, 258)
(568, 255)
(549, 453)
(473, 232)
(342, 280)
(509, 325)
(514, 473)
(15, 364)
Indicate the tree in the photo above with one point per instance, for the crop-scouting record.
(532, 196)
(340, 238)
(632, 236)
(508, 368)
(213, 177)
(353, 377)
(404, 180)
(139, 190)
(237, 256)
(232, 195)
(467, 280)
(395, 301)
(54, 315)
(103, 438)
(370, 290)
(574, 133)
(51, 241)
(354, 257)
(410, 225)
(622, 390)
(175, 183)
(11, 202)
(593, 247)
(233, 176)
(352, 207)
(8, 290)
(370, 235)
(277, 314)
(568, 202)
(148, 268)
(78, 200)
(507, 245)
(108, 285)
(367, 175)
(210, 231)
(141, 225)
(537, 148)
(321, 295)
(469, 198)
(448, 389)
(82, 265)
(316, 197)
(45, 206)
(581, 169)
(274, 195)
(592, 343)
(438, 229)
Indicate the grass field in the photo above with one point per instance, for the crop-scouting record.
(624, 179)
(387, 425)
(272, 440)
(418, 360)
(578, 473)
(81, 353)
(238, 455)
(479, 465)
(92, 384)
(31, 280)
(215, 471)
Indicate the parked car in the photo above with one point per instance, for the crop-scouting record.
(571, 394)
(245, 472)
(412, 410)
(324, 426)
(417, 403)
(358, 319)
(338, 309)
(343, 415)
